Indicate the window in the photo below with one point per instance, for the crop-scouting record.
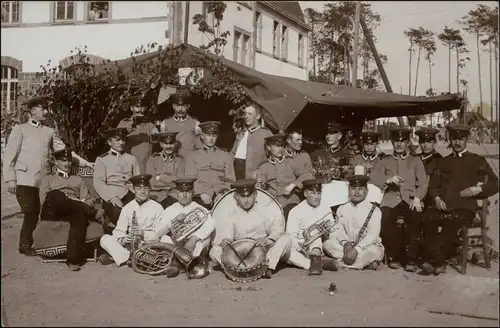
(9, 88)
(301, 51)
(244, 50)
(241, 48)
(209, 17)
(64, 11)
(98, 10)
(276, 33)
(284, 42)
(258, 30)
(236, 45)
(10, 12)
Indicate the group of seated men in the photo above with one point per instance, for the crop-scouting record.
(431, 193)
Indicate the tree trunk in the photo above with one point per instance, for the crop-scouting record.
(479, 74)
(496, 87)
(331, 59)
(409, 68)
(458, 70)
(430, 82)
(418, 67)
(449, 68)
(491, 83)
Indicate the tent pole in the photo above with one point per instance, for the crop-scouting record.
(356, 46)
(383, 75)
(186, 23)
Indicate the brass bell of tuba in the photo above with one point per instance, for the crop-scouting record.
(195, 267)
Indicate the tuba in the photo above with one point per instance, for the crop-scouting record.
(315, 231)
(183, 225)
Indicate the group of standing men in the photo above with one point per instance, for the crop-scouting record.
(191, 171)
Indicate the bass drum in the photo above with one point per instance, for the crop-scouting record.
(337, 192)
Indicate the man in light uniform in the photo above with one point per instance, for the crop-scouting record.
(300, 218)
(165, 167)
(26, 161)
(368, 157)
(148, 214)
(113, 170)
(248, 147)
(211, 166)
(355, 242)
(199, 240)
(246, 221)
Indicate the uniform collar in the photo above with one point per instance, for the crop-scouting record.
(460, 154)
(114, 152)
(334, 150)
(36, 123)
(428, 156)
(206, 148)
(274, 160)
(167, 157)
(254, 128)
(180, 120)
(62, 173)
(291, 154)
(402, 156)
(371, 158)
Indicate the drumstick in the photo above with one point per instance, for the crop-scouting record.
(235, 252)
(250, 251)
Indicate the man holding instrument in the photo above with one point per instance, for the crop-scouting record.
(355, 242)
(246, 221)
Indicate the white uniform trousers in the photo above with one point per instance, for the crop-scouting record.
(299, 259)
(119, 253)
(367, 256)
(279, 250)
(198, 248)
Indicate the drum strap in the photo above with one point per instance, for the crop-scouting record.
(365, 225)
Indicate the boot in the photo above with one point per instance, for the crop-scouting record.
(411, 267)
(106, 259)
(174, 269)
(73, 267)
(426, 269)
(316, 268)
(329, 264)
(440, 269)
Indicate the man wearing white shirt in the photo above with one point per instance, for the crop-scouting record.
(248, 148)
(148, 213)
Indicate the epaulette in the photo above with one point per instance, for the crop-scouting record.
(336, 207)
(103, 155)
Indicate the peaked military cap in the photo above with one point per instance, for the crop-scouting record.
(116, 132)
(458, 130)
(358, 180)
(141, 179)
(184, 184)
(167, 137)
(210, 127)
(39, 100)
(63, 154)
(426, 134)
(400, 133)
(244, 187)
(313, 184)
(334, 127)
(277, 139)
(180, 97)
(370, 136)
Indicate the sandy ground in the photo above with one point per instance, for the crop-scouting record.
(36, 294)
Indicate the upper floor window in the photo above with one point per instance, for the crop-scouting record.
(284, 42)
(98, 10)
(258, 30)
(276, 35)
(241, 48)
(300, 59)
(9, 87)
(64, 11)
(236, 45)
(11, 12)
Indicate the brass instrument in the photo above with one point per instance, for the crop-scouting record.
(183, 225)
(315, 231)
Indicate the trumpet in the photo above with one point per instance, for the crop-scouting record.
(315, 231)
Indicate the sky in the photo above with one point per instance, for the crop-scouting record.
(397, 16)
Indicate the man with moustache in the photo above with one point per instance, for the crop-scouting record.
(369, 157)
(248, 148)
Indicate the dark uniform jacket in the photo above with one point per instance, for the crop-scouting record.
(456, 173)
(339, 154)
(431, 163)
(164, 171)
(138, 139)
(73, 186)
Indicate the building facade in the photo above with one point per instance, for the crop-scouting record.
(34, 32)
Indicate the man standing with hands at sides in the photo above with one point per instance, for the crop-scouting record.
(148, 214)
(404, 181)
(211, 166)
(139, 130)
(113, 170)
(459, 180)
(246, 221)
(165, 167)
(248, 147)
(26, 161)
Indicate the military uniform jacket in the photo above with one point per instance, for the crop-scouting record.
(256, 152)
(304, 215)
(148, 215)
(73, 186)
(455, 174)
(186, 133)
(111, 173)
(26, 156)
(301, 162)
(369, 162)
(164, 170)
(411, 169)
(213, 169)
(431, 163)
(138, 139)
(324, 153)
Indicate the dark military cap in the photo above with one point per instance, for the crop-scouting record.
(40, 100)
(313, 184)
(458, 130)
(141, 180)
(116, 132)
(358, 180)
(334, 127)
(277, 139)
(244, 187)
(184, 184)
(210, 127)
(400, 133)
(167, 137)
(63, 154)
(426, 134)
(370, 137)
(180, 97)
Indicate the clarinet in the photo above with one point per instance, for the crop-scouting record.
(136, 242)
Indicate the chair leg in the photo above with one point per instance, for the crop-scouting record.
(465, 248)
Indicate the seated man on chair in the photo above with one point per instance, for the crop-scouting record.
(303, 216)
(165, 167)
(458, 181)
(147, 214)
(355, 241)
(246, 221)
(174, 217)
(66, 197)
